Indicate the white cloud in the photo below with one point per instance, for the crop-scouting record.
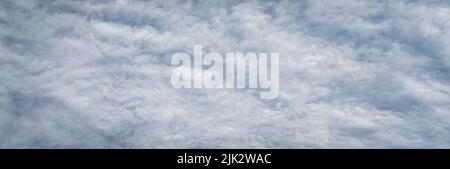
(352, 74)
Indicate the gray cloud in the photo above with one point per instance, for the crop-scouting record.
(353, 74)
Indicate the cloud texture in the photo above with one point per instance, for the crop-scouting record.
(353, 74)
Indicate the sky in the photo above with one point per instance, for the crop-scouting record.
(96, 74)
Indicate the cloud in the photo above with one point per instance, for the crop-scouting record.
(97, 74)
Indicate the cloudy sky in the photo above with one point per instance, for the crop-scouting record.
(96, 74)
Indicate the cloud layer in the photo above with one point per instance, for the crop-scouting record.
(353, 74)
